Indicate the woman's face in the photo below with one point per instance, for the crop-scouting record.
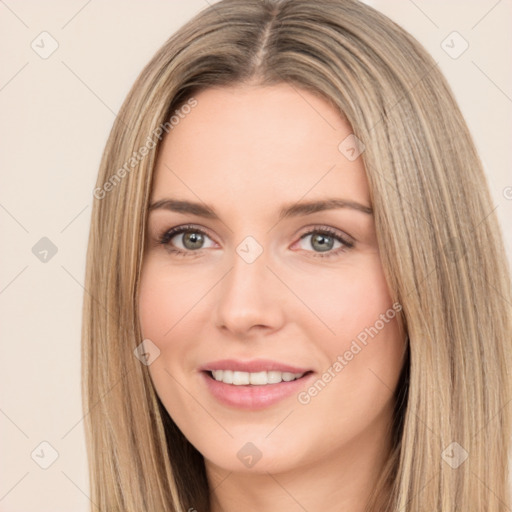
(256, 296)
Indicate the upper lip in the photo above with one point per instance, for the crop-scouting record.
(253, 366)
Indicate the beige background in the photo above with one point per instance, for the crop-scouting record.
(56, 115)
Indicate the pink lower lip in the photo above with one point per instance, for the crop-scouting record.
(253, 397)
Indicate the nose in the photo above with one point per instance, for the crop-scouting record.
(250, 298)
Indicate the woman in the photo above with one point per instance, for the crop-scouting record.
(298, 297)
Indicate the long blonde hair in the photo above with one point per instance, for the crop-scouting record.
(439, 241)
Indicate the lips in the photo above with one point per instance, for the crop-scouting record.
(241, 393)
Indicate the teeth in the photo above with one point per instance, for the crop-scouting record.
(256, 379)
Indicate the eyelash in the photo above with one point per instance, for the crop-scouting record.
(171, 233)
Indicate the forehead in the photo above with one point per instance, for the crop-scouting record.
(252, 144)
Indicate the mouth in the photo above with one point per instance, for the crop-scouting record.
(262, 378)
(254, 390)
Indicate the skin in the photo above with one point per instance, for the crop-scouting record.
(247, 151)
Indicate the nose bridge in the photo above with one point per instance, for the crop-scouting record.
(249, 293)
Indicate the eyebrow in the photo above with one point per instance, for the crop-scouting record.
(287, 211)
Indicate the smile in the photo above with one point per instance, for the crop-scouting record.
(253, 390)
(263, 378)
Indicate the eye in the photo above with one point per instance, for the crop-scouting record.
(323, 238)
(191, 242)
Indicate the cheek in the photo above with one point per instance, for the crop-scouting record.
(164, 299)
(160, 309)
(350, 299)
(364, 355)
(168, 301)
(157, 316)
